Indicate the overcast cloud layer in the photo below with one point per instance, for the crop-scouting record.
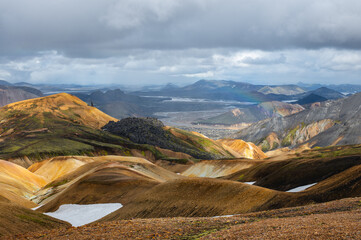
(158, 41)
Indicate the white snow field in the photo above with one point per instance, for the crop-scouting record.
(78, 215)
(301, 188)
(250, 183)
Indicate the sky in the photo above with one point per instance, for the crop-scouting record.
(134, 42)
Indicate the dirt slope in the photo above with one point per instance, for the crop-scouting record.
(194, 197)
(333, 220)
(16, 220)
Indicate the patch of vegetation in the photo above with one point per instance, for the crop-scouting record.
(265, 146)
(32, 218)
(204, 233)
(56, 183)
(275, 145)
(176, 160)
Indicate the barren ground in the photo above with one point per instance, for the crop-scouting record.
(339, 219)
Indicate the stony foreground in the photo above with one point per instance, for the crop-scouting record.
(339, 219)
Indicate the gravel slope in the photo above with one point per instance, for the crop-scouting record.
(339, 219)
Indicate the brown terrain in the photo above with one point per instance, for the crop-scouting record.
(148, 191)
(339, 219)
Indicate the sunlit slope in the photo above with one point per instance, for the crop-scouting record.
(219, 168)
(62, 105)
(99, 180)
(18, 180)
(243, 149)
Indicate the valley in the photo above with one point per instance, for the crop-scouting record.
(159, 179)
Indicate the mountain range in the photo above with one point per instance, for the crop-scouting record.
(253, 113)
(334, 122)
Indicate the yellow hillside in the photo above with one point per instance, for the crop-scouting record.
(18, 180)
(62, 105)
(243, 149)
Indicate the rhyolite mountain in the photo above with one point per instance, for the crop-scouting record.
(334, 122)
(253, 113)
(282, 90)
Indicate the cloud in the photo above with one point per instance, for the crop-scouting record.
(208, 74)
(144, 67)
(107, 28)
(180, 40)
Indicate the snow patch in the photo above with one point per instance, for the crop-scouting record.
(36, 207)
(78, 215)
(223, 216)
(301, 188)
(250, 183)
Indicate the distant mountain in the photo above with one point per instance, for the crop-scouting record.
(253, 114)
(336, 122)
(5, 83)
(116, 103)
(10, 94)
(318, 95)
(218, 90)
(282, 89)
(312, 98)
(24, 84)
(343, 88)
(327, 93)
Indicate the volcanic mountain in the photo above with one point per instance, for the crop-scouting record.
(334, 122)
(282, 89)
(253, 114)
